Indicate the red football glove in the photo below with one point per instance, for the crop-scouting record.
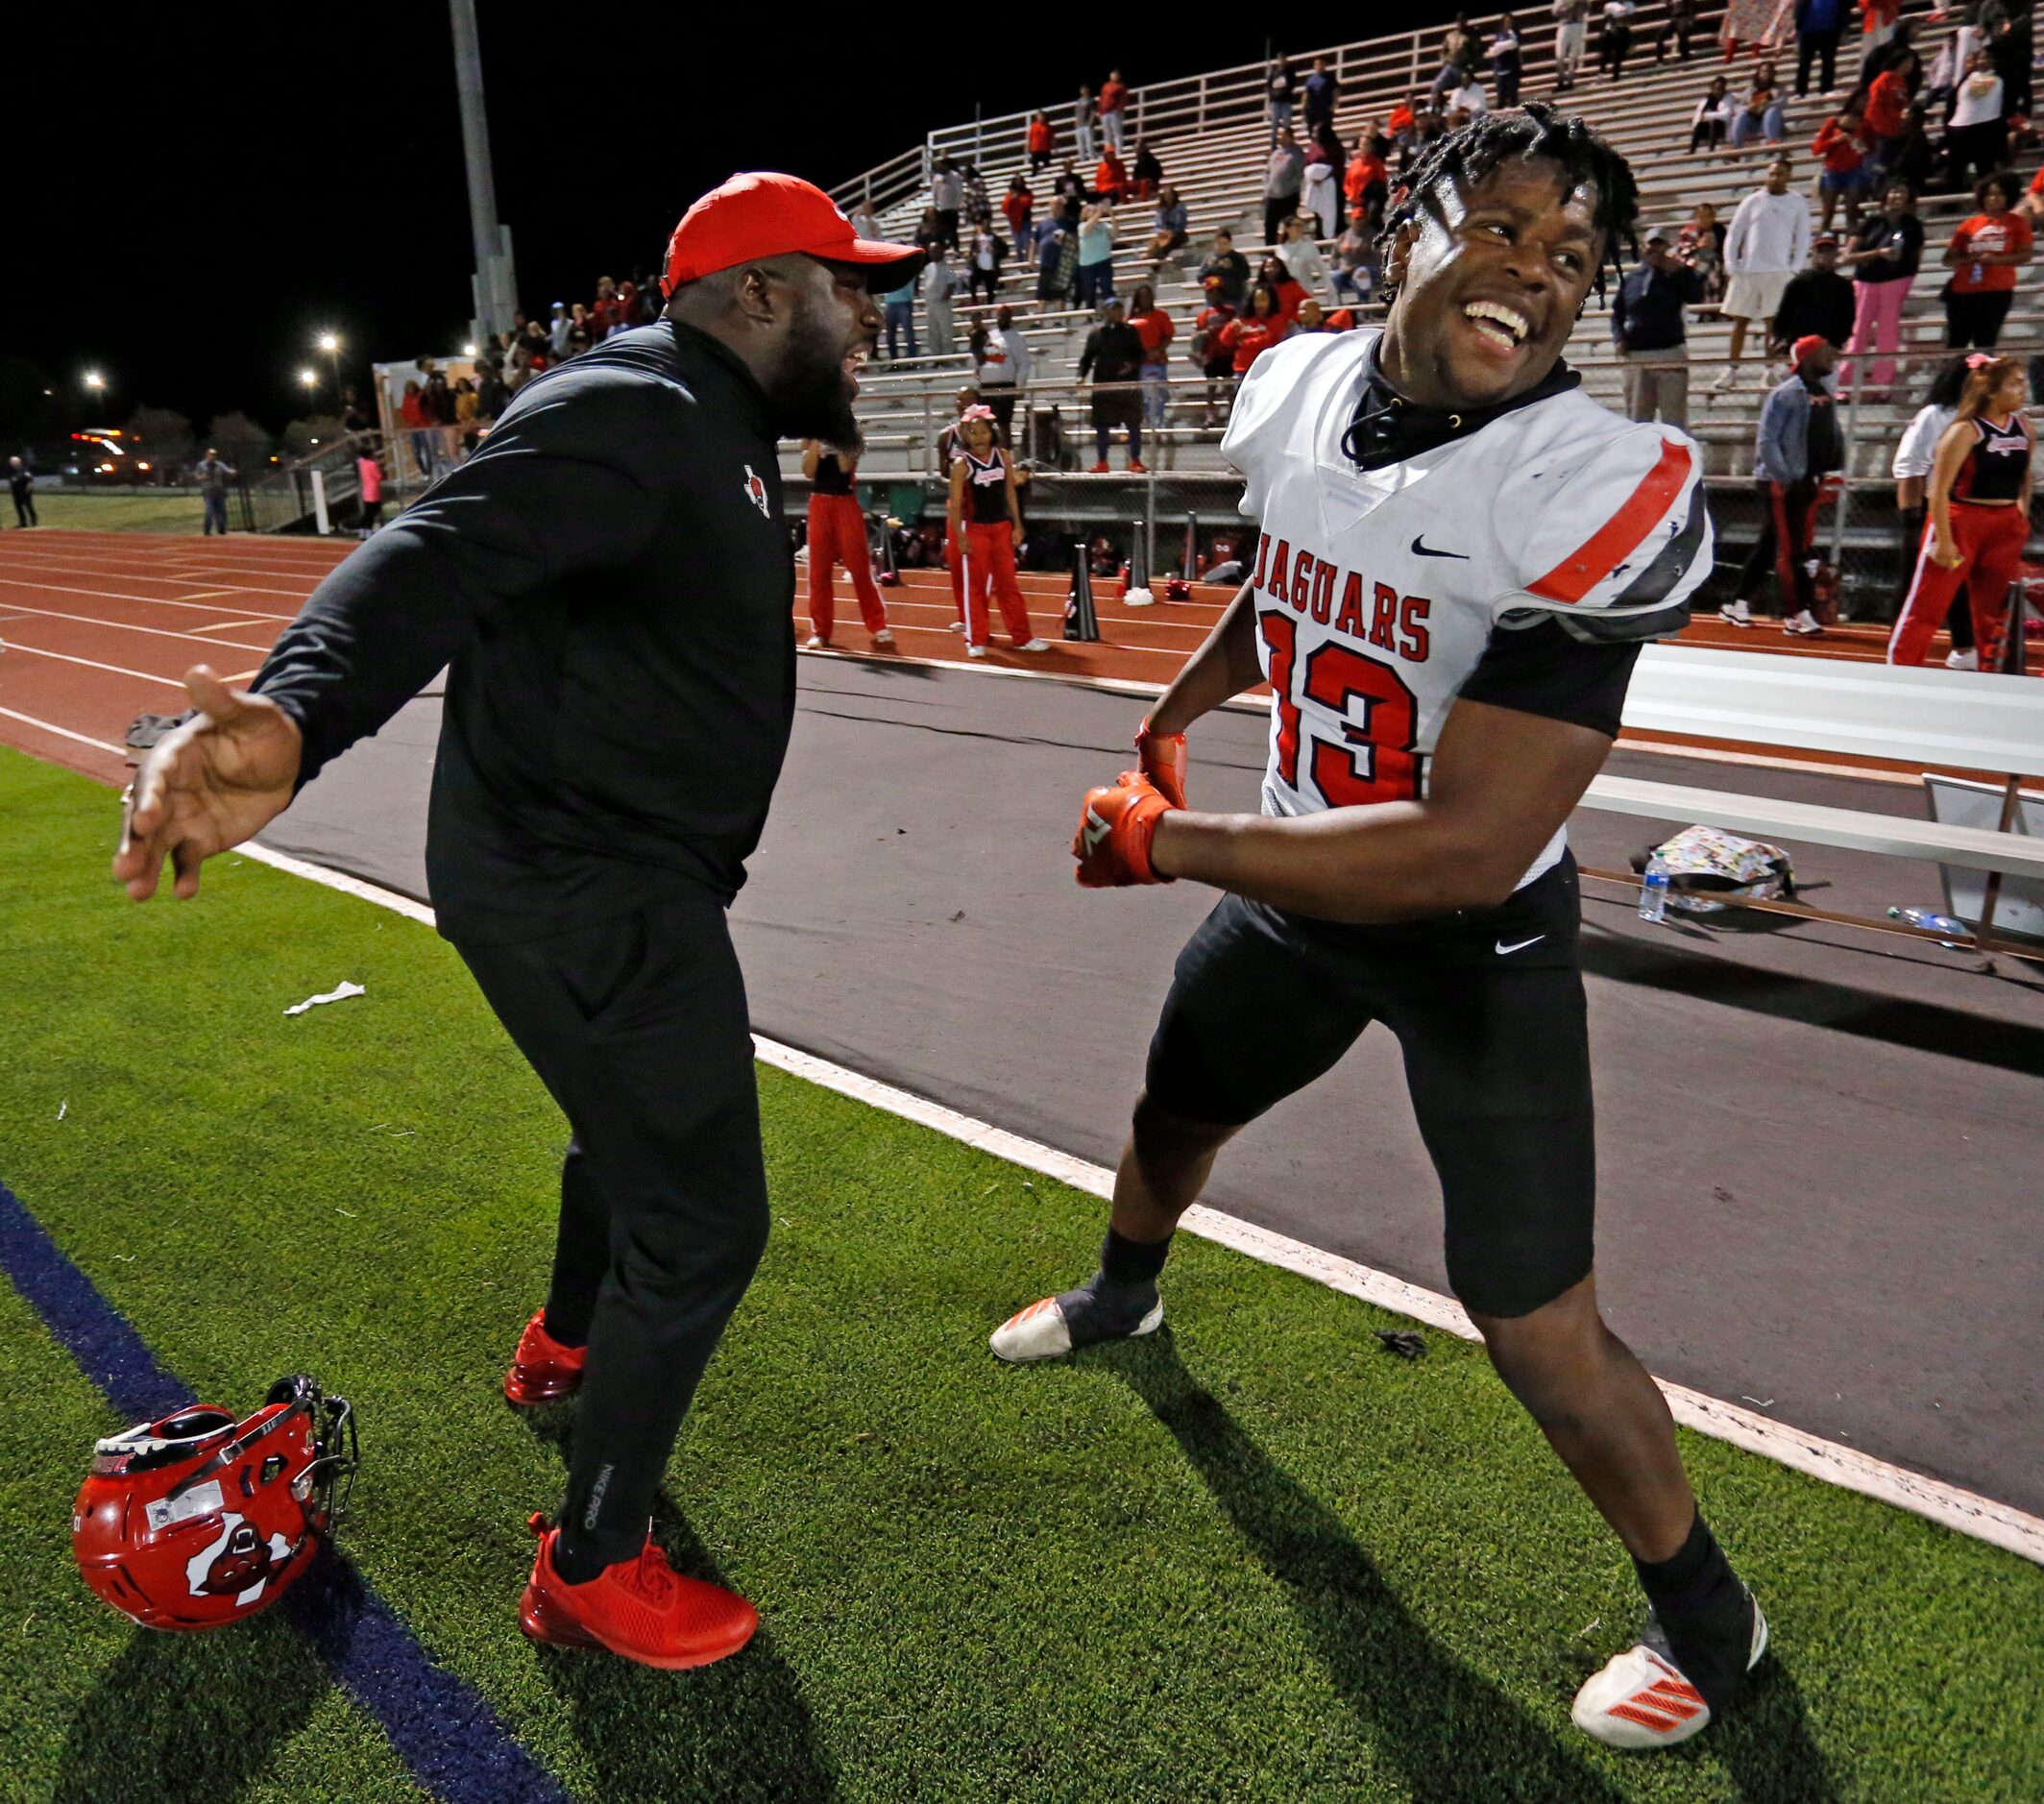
(1162, 758)
(1116, 825)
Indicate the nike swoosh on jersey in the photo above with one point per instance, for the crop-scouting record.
(1518, 945)
(1421, 549)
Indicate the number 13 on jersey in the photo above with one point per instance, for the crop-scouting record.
(1375, 759)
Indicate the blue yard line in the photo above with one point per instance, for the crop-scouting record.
(442, 1728)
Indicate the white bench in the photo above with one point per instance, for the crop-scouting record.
(1965, 719)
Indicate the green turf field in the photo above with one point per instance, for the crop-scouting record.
(144, 510)
(1254, 1559)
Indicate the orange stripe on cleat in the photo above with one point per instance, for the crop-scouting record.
(1620, 536)
(1646, 1718)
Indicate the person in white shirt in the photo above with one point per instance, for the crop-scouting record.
(1302, 257)
(1768, 242)
(940, 283)
(1470, 98)
(1976, 136)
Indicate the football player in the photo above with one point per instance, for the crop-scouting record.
(1460, 556)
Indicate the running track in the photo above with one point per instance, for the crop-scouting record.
(99, 627)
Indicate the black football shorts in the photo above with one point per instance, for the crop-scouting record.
(1488, 1008)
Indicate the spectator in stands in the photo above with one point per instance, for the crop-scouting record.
(1759, 114)
(1303, 260)
(438, 404)
(1818, 303)
(577, 322)
(1146, 175)
(1095, 255)
(577, 342)
(898, 305)
(1983, 256)
(1915, 457)
(1845, 175)
(1215, 360)
(1507, 61)
(1768, 242)
(2011, 47)
(1114, 112)
(491, 397)
(1154, 328)
(1111, 180)
(1887, 109)
(1701, 245)
(1615, 36)
(1651, 338)
(607, 315)
(1357, 270)
(1469, 99)
(1366, 183)
(21, 485)
(1056, 263)
(1679, 23)
(1887, 253)
(2032, 204)
(1002, 363)
(1275, 276)
(1797, 445)
(632, 312)
(1085, 112)
(1572, 35)
(947, 197)
(1748, 22)
(1113, 359)
(1977, 134)
(369, 478)
(542, 351)
(558, 328)
(1403, 124)
(1320, 192)
(1170, 228)
(355, 416)
(1280, 89)
(467, 410)
(212, 474)
(1713, 116)
(1322, 91)
(1228, 267)
(1071, 195)
(1252, 332)
(1879, 22)
(1914, 157)
(1018, 206)
(1818, 26)
(865, 222)
(939, 284)
(1282, 178)
(1042, 142)
(1460, 50)
(983, 264)
(1978, 506)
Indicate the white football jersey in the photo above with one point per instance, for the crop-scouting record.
(1377, 591)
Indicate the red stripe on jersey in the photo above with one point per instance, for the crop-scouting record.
(1620, 536)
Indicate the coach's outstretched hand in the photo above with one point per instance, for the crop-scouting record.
(1116, 825)
(212, 783)
(1162, 759)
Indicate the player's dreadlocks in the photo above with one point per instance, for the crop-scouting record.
(1463, 158)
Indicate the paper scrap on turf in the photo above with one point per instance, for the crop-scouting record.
(340, 994)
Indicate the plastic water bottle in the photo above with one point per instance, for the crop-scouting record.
(1653, 889)
(1930, 921)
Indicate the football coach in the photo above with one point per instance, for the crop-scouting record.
(610, 585)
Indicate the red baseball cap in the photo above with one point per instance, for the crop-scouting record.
(1807, 346)
(762, 214)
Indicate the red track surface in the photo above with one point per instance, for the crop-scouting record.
(99, 627)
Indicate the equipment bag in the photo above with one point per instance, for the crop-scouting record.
(1710, 871)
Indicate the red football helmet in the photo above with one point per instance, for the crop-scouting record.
(195, 1518)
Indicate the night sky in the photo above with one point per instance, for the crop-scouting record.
(195, 193)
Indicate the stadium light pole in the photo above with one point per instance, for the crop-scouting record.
(495, 286)
(95, 384)
(330, 344)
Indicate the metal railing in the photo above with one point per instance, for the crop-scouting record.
(283, 499)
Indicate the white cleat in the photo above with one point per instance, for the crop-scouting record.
(1040, 1332)
(1640, 1700)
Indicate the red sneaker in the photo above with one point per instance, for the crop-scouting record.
(1100, 467)
(541, 1369)
(640, 1610)
(1137, 468)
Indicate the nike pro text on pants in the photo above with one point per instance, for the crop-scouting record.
(637, 1027)
(990, 560)
(836, 535)
(1990, 549)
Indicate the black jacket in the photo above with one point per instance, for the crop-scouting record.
(1647, 313)
(1819, 302)
(1113, 353)
(610, 584)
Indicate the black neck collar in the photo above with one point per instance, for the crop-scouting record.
(1388, 429)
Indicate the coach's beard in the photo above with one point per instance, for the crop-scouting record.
(809, 398)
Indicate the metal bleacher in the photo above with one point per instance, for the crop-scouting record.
(1211, 134)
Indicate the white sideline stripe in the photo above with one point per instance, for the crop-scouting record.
(22, 612)
(1963, 1511)
(93, 664)
(63, 732)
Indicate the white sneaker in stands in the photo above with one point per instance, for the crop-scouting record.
(1737, 613)
(1803, 625)
(1726, 383)
(1967, 660)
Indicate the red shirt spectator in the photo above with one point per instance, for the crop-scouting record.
(1154, 328)
(1043, 140)
(1113, 95)
(1401, 120)
(1887, 105)
(1207, 329)
(1290, 295)
(1991, 233)
(1111, 179)
(1835, 148)
(1366, 170)
(1251, 338)
(1016, 207)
